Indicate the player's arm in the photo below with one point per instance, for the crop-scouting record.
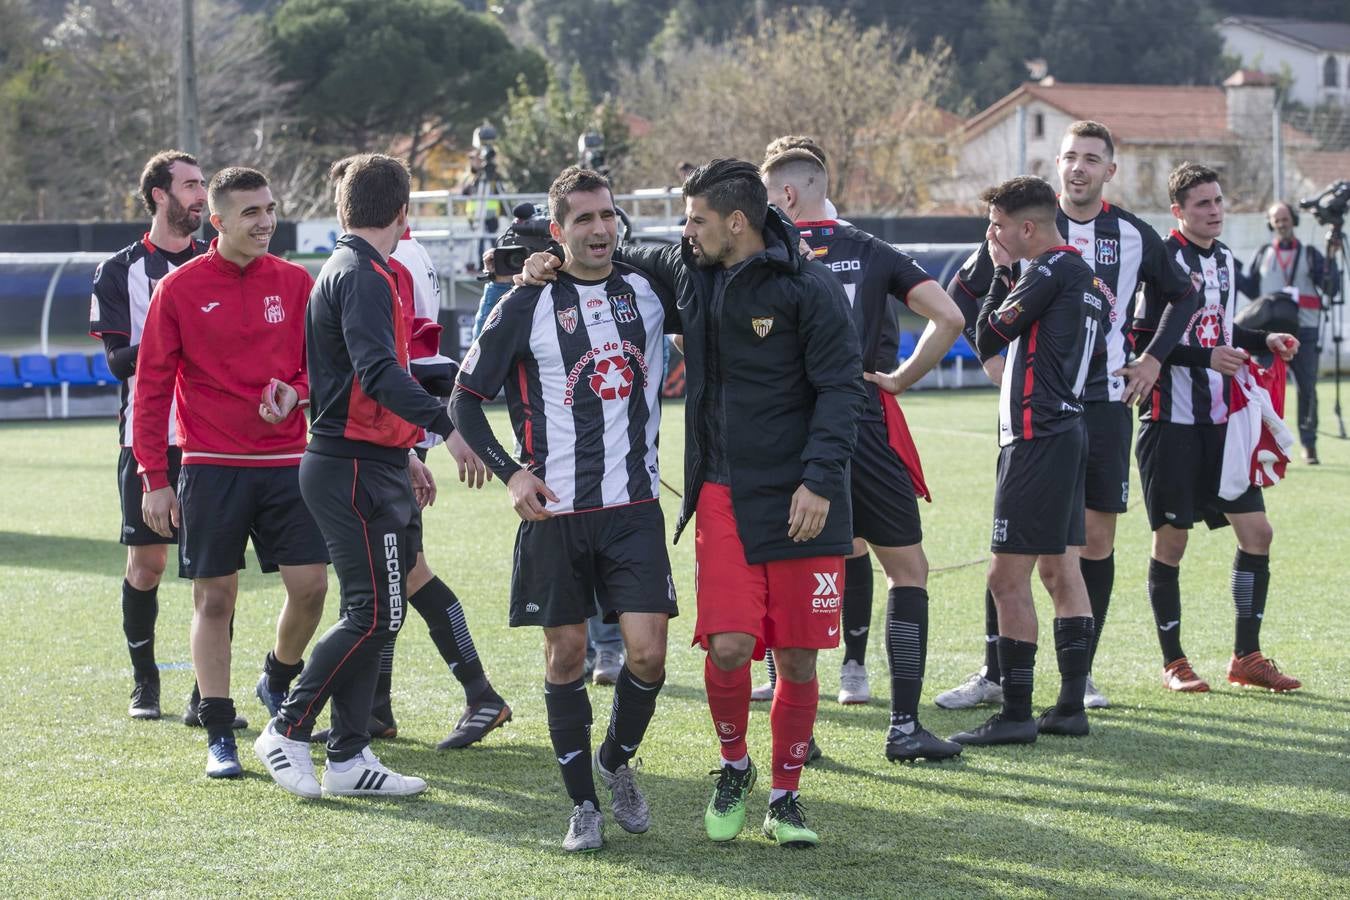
(1160, 271)
(661, 263)
(922, 294)
(833, 363)
(967, 290)
(283, 396)
(121, 354)
(157, 373)
(368, 329)
(1007, 310)
(110, 318)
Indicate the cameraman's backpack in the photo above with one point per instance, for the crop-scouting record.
(1277, 312)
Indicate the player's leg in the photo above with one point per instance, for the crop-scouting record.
(857, 625)
(634, 582)
(140, 610)
(1168, 456)
(1062, 576)
(569, 728)
(1107, 494)
(792, 720)
(1250, 584)
(449, 631)
(306, 587)
(1097, 564)
(213, 602)
(731, 602)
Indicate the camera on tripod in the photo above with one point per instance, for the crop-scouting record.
(591, 152)
(1329, 207)
(484, 138)
(527, 234)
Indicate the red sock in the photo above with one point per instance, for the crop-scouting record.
(793, 720)
(729, 703)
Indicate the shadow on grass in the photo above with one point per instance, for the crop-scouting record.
(62, 553)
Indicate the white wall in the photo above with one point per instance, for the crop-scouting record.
(1259, 51)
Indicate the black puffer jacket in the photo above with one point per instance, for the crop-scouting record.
(793, 387)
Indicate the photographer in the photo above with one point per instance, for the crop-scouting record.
(527, 233)
(1287, 265)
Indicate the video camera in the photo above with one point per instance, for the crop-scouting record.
(527, 234)
(484, 138)
(1329, 207)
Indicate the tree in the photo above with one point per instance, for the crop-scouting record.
(803, 72)
(366, 73)
(539, 133)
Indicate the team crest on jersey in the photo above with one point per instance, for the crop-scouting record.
(273, 311)
(1008, 314)
(624, 305)
(762, 326)
(612, 379)
(1108, 251)
(567, 318)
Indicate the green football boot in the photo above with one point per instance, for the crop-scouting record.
(725, 816)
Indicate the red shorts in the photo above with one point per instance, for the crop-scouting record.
(783, 603)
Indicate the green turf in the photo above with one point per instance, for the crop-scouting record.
(1208, 795)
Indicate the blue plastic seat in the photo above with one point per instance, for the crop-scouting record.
(908, 341)
(98, 366)
(35, 370)
(73, 369)
(8, 377)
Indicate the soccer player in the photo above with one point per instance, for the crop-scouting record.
(1284, 263)
(885, 467)
(580, 359)
(775, 390)
(225, 338)
(419, 292)
(1049, 322)
(1181, 438)
(173, 192)
(367, 413)
(1124, 252)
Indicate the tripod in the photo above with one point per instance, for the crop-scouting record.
(1332, 316)
(486, 183)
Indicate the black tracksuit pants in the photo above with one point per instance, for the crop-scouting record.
(364, 508)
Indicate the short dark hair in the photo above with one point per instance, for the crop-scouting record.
(373, 190)
(728, 185)
(1186, 176)
(796, 142)
(1089, 128)
(157, 174)
(231, 179)
(1025, 192)
(569, 181)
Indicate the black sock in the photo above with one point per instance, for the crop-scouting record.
(217, 717)
(449, 630)
(1164, 593)
(857, 607)
(992, 668)
(769, 667)
(140, 609)
(1251, 581)
(1099, 575)
(569, 727)
(1017, 659)
(634, 704)
(280, 674)
(1073, 648)
(906, 649)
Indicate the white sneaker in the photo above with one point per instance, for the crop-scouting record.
(288, 762)
(853, 686)
(1093, 698)
(762, 693)
(972, 692)
(368, 777)
(608, 662)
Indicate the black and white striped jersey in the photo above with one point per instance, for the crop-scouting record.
(582, 365)
(123, 286)
(1194, 394)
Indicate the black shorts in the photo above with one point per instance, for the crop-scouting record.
(885, 507)
(615, 558)
(222, 507)
(1038, 495)
(414, 532)
(1110, 430)
(135, 533)
(1180, 467)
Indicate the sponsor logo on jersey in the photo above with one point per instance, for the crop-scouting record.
(1223, 279)
(1207, 326)
(212, 305)
(1108, 251)
(1044, 270)
(762, 326)
(273, 311)
(1092, 300)
(846, 265)
(623, 351)
(471, 359)
(567, 318)
(612, 379)
(624, 305)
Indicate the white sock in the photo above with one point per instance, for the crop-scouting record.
(740, 765)
(775, 795)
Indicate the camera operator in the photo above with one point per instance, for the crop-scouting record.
(527, 233)
(1287, 265)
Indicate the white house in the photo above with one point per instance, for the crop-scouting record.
(1315, 55)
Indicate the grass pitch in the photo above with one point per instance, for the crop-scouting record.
(1201, 795)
